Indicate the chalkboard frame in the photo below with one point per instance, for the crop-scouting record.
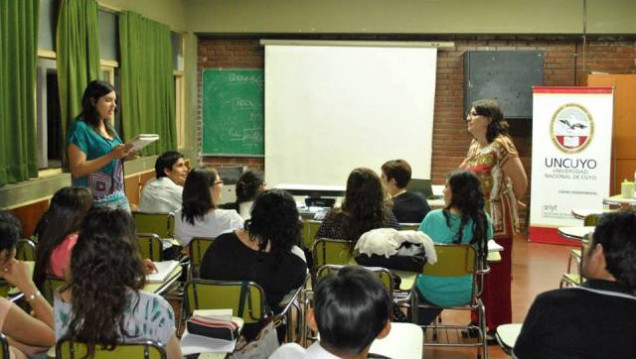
(212, 100)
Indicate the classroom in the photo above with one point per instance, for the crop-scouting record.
(451, 53)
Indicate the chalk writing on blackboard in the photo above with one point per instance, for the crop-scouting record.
(233, 112)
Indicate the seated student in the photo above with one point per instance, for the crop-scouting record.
(164, 193)
(363, 209)
(103, 301)
(351, 309)
(262, 252)
(248, 187)
(462, 220)
(27, 334)
(408, 207)
(594, 320)
(59, 235)
(199, 216)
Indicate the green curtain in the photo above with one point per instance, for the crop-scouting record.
(77, 55)
(18, 56)
(147, 81)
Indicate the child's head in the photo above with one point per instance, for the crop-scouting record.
(351, 309)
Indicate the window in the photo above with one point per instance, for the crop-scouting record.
(49, 125)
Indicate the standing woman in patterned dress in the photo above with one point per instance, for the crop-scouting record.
(494, 159)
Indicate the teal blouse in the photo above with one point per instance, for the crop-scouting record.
(108, 180)
(447, 291)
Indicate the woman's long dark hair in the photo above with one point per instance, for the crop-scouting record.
(105, 266)
(469, 199)
(68, 207)
(197, 200)
(248, 186)
(498, 125)
(92, 94)
(363, 204)
(275, 219)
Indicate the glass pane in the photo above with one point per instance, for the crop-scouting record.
(46, 24)
(108, 49)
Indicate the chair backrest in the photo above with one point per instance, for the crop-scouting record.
(51, 284)
(25, 250)
(150, 246)
(410, 226)
(4, 347)
(331, 251)
(213, 294)
(161, 224)
(197, 248)
(591, 219)
(310, 228)
(384, 274)
(67, 349)
(453, 260)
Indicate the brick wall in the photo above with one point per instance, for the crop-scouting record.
(565, 65)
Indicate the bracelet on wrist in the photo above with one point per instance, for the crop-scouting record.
(31, 297)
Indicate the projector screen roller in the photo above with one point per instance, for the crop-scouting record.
(330, 109)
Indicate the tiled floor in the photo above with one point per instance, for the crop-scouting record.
(536, 268)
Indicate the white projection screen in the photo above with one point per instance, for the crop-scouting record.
(330, 109)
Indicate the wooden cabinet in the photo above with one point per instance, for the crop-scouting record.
(624, 137)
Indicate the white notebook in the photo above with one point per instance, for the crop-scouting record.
(143, 140)
(164, 269)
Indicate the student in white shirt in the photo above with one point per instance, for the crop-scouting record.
(163, 194)
(351, 309)
(200, 216)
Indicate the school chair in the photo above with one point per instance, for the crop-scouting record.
(310, 228)
(161, 224)
(25, 250)
(150, 246)
(4, 347)
(330, 251)
(246, 299)
(384, 274)
(68, 349)
(197, 248)
(457, 260)
(409, 226)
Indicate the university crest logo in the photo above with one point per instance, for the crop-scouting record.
(572, 128)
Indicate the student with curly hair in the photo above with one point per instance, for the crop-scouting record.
(364, 208)
(103, 302)
(263, 251)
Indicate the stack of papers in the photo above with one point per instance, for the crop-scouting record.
(494, 246)
(193, 344)
(143, 140)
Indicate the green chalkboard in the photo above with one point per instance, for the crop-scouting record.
(233, 112)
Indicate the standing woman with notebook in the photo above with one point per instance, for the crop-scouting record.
(494, 159)
(95, 150)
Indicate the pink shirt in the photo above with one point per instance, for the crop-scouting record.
(61, 255)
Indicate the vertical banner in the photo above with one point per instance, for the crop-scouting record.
(571, 153)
